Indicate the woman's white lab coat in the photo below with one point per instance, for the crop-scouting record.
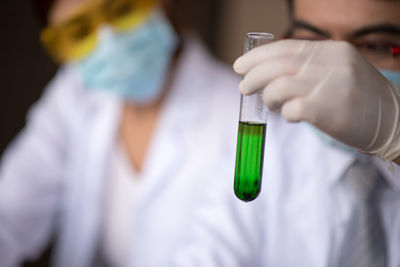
(52, 177)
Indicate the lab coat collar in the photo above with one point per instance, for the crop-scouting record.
(332, 162)
(192, 68)
(392, 176)
(345, 159)
(179, 117)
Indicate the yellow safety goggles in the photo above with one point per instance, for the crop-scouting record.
(77, 36)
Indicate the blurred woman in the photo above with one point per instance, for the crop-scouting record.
(123, 142)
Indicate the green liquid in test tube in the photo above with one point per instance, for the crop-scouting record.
(251, 135)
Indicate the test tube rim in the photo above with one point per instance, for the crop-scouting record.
(260, 35)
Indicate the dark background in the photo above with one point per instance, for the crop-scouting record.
(25, 68)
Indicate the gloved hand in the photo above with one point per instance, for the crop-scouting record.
(330, 85)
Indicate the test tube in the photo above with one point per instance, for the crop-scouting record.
(251, 134)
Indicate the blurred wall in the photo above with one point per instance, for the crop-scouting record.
(237, 17)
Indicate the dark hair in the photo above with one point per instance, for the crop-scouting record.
(41, 9)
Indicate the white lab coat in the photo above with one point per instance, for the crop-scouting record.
(301, 215)
(52, 176)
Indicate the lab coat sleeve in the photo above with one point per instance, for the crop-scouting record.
(31, 177)
(225, 232)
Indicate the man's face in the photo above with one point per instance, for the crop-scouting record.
(372, 25)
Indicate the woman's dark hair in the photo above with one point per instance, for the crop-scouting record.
(41, 9)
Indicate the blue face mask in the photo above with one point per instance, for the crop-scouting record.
(133, 64)
(394, 77)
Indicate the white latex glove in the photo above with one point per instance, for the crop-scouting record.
(330, 85)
